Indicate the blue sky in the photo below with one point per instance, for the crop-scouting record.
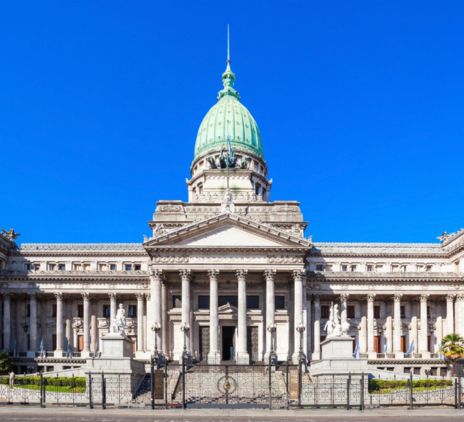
(360, 105)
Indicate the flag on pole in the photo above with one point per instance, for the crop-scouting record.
(356, 353)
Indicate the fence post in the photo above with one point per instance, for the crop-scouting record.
(42, 387)
(270, 381)
(300, 381)
(348, 385)
(103, 389)
(361, 395)
(227, 380)
(183, 381)
(90, 391)
(165, 377)
(152, 384)
(411, 396)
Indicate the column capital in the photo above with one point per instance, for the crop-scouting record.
(241, 274)
(156, 272)
(424, 297)
(269, 275)
(460, 297)
(185, 275)
(451, 296)
(397, 297)
(140, 295)
(58, 296)
(344, 297)
(298, 275)
(213, 274)
(85, 295)
(32, 295)
(371, 297)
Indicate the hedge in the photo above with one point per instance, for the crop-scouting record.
(55, 381)
(377, 384)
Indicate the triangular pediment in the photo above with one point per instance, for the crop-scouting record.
(228, 230)
(227, 309)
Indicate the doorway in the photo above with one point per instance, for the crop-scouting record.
(228, 351)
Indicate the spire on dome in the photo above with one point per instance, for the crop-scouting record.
(228, 77)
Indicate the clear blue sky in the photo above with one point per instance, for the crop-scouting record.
(360, 105)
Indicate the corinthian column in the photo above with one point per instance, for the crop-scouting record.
(140, 301)
(155, 289)
(459, 318)
(185, 277)
(423, 339)
(112, 309)
(6, 321)
(270, 310)
(298, 312)
(370, 324)
(214, 357)
(397, 330)
(242, 353)
(59, 325)
(344, 309)
(450, 313)
(33, 323)
(317, 329)
(86, 324)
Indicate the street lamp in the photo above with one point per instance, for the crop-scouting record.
(156, 327)
(155, 361)
(301, 356)
(185, 330)
(271, 328)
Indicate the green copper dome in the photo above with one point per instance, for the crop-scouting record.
(228, 119)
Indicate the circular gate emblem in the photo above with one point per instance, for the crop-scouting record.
(226, 385)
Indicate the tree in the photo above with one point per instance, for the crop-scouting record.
(452, 347)
(6, 363)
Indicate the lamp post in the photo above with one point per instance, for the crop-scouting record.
(154, 361)
(301, 361)
(185, 329)
(271, 328)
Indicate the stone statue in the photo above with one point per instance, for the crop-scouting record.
(119, 323)
(228, 202)
(334, 327)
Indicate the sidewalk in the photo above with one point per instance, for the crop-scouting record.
(204, 414)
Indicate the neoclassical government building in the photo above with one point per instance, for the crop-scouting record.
(230, 276)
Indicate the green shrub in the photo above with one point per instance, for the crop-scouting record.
(55, 381)
(379, 385)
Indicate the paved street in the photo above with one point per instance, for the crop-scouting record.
(22, 414)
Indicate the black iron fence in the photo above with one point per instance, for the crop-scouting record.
(273, 386)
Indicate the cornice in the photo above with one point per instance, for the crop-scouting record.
(54, 276)
(390, 277)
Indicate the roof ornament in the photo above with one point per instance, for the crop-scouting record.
(10, 234)
(228, 77)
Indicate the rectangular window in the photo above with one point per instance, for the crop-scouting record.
(376, 311)
(54, 310)
(28, 267)
(102, 267)
(279, 302)
(86, 267)
(36, 267)
(176, 301)
(77, 267)
(203, 302)
(132, 311)
(402, 311)
(127, 267)
(61, 267)
(350, 311)
(344, 267)
(80, 311)
(137, 267)
(51, 266)
(320, 267)
(112, 267)
(369, 268)
(229, 299)
(252, 302)
(106, 311)
(353, 268)
(325, 311)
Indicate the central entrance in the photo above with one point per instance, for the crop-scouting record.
(228, 351)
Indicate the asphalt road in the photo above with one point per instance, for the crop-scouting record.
(19, 414)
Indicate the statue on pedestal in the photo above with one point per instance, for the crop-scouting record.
(334, 327)
(119, 323)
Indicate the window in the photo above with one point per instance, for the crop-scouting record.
(379, 267)
(257, 188)
(51, 266)
(350, 311)
(428, 268)
(77, 266)
(279, 302)
(376, 311)
(28, 266)
(102, 267)
(203, 302)
(370, 268)
(36, 266)
(132, 311)
(176, 301)
(325, 311)
(137, 267)
(106, 311)
(344, 267)
(319, 267)
(428, 312)
(86, 267)
(402, 311)
(127, 267)
(112, 267)
(61, 267)
(353, 268)
(252, 302)
(328, 268)
(229, 299)
(80, 311)
(54, 310)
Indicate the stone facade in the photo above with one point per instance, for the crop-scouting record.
(230, 275)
